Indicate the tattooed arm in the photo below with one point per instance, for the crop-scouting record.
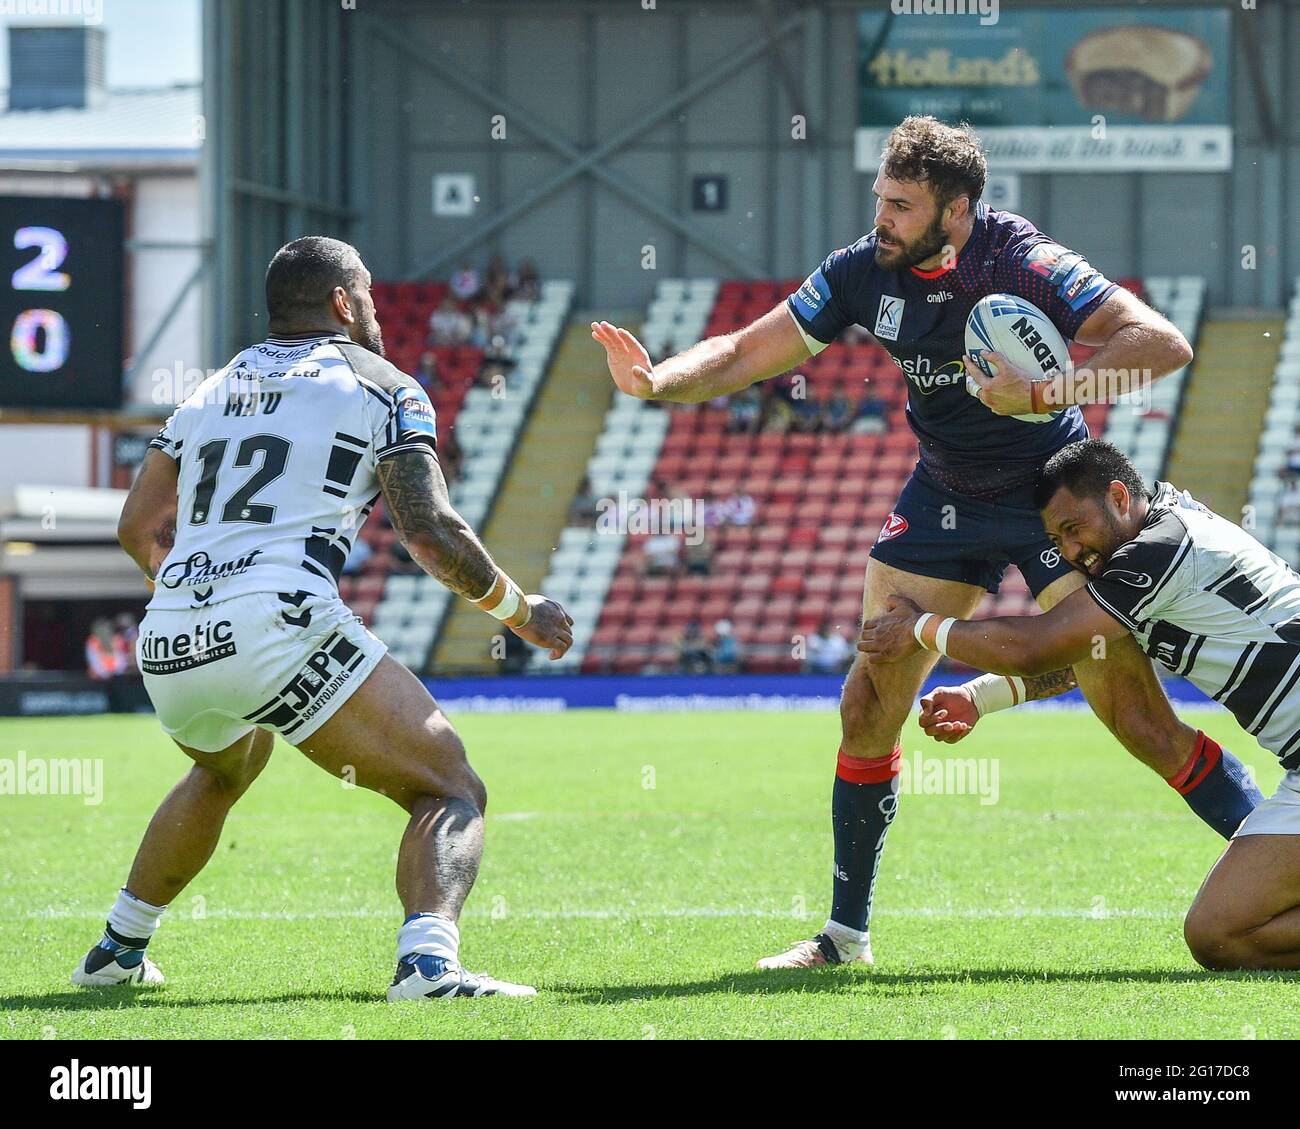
(1049, 685)
(948, 713)
(146, 528)
(441, 542)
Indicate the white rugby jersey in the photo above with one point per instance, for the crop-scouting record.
(1208, 601)
(278, 454)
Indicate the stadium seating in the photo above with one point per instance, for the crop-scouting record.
(407, 610)
(820, 498)
(1142, 424)
(1274, 494)
(584, 563)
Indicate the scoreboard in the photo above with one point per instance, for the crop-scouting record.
(61, 307)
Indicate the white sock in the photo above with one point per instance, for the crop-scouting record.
(849, 943)
(131, 917)
(429, 933)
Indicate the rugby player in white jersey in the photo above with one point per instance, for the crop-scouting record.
(1203, 598)
(243, 515)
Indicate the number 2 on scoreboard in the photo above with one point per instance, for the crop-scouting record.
(40, 340)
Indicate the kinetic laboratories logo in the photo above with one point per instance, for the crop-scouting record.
(198, 568)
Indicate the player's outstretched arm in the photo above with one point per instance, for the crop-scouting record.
(1076, 628)
(146, 528)
(441, 542)
(717, 366)
(949, 713)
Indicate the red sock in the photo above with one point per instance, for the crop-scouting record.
(1205, 755)
(868, 770)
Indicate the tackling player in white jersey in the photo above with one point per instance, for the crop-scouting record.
(243, 513)
(1207, 601)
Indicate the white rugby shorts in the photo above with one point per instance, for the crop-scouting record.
(282, 661)
(1279, 814)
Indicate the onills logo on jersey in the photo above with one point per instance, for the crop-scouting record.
(415, 413)
(927, 379)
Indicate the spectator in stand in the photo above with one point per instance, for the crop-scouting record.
(126, 632)
(585, 508)
(481, 333)
(739, 509)
(698, 554)
(726, 651)
(499, 350)
(839, 411)
(102, 658)
(449, 324)
(1288, 505)
(530, 283)
(1293, 458)
(498, 284)
(465, 283)
(743, 410)
(871, 416)
(807, 414)
(662, 551)
(709, 512)
(693, 653)
(361, 553)
(427, 371)
(505, 335)
(450, 456)
(829, 650)
(778, 406)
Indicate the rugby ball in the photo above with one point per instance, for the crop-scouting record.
(1021, 332)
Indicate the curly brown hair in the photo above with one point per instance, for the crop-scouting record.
(948, 158)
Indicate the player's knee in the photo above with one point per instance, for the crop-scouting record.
(446, 772)
(867, 726)
(221, 782)
(1211, 944)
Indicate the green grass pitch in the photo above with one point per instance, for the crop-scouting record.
(636, 866)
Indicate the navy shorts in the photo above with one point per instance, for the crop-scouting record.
(934, 531)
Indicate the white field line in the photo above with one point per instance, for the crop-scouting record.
(929, 912)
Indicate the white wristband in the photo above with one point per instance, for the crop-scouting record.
(920, 629)
(993, 692)
(509, 603)
(941, 636)
(507, 607)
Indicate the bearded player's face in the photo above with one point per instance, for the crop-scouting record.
(364, 329)
(909, 223)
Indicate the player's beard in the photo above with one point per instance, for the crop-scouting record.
(1115, 537)
(370, 335)
(903, 255)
